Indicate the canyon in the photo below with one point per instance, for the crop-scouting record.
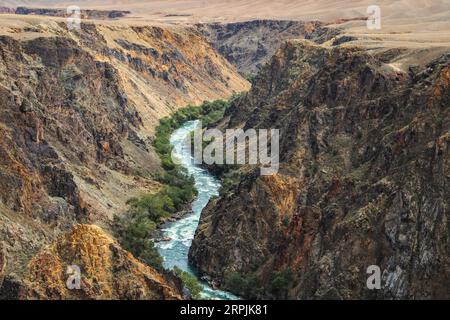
(364, 147)
(79, 110)
(363, 179)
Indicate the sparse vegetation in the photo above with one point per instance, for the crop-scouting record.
(286, 221)
(250, 78)
(189, 282)
(235, 282)
(249, 285)
(134, 233)
(231, 176)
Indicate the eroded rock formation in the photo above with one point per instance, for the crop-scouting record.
(363, 179)
(106, 271)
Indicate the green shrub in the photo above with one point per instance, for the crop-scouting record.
(134, 233)
(286, 221)
(190, 282)
(244, 285)
(235, 282)
(231, 177)
(250, 78)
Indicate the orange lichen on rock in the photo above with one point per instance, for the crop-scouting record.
(106, 270)
(283, 192)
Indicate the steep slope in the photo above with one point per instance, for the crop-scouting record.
(106, 271)
(249, 45)
(363, 180)
(77, 119)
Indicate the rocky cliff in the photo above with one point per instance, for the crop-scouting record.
(363, 179)
(84, 14)
(78, 113)
(251, 44)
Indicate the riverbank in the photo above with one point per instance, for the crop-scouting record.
(160, 221)
(208, 112)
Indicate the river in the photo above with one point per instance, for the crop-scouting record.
(181, 232)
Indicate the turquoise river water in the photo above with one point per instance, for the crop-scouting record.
(181, 232)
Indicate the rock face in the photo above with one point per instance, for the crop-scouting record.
(106, 271)
(2, 263)
(249, 45)
(363, 180)
(78, 110)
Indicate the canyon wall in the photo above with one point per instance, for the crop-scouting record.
(363, 179)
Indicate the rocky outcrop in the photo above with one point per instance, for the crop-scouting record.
(106, 271)
(251, 44)
(363, 180)
(2, 263)
(7, 10)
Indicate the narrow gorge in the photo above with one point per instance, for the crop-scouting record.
(92, 120)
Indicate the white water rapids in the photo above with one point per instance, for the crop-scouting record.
(181, 232)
